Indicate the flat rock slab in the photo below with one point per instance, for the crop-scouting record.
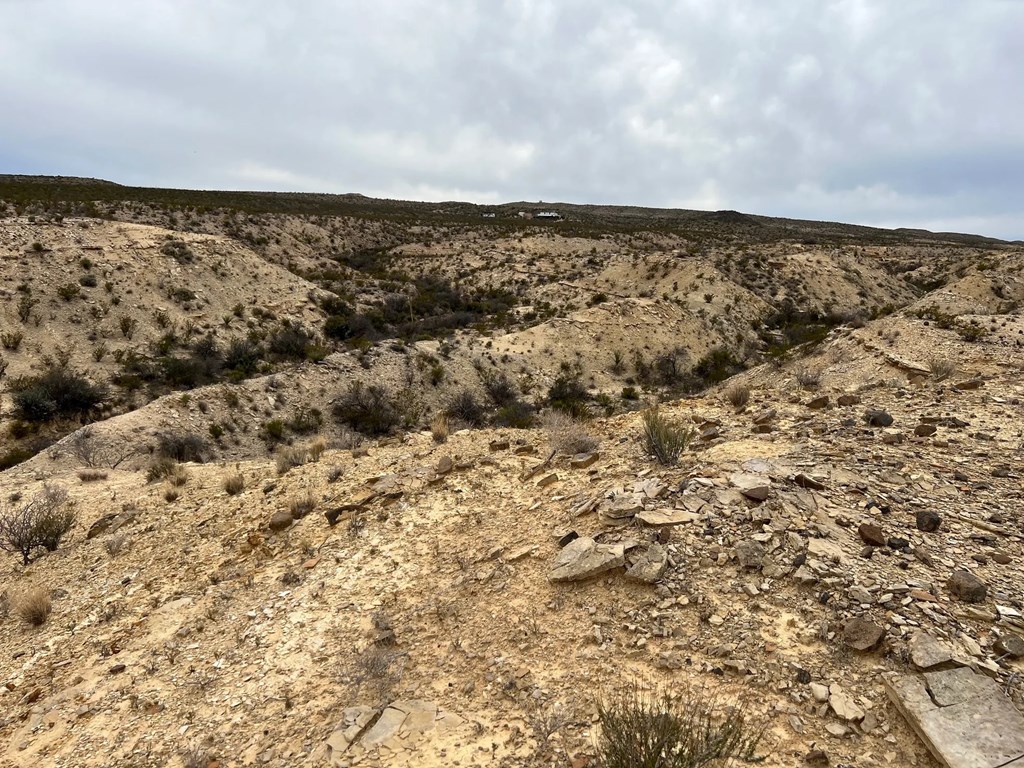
(666, 517)
(963, 717)
(752, 486)
(584, 558)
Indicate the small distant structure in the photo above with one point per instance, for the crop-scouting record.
(525, 214)
(547, 215)
(488, 214)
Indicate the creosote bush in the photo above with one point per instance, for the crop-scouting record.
(371, 410)
(642, 729)
(664, 439)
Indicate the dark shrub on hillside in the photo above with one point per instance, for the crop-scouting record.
(371, 410)
(499, 388)
(716, 366)
(567, 393)
(242, 355)
(291, 340)
(181, 446)
(516, 414)
(465, 406)
(57, 392)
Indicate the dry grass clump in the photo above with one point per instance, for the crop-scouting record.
(300, 506)
(234, 484)
(808, 377)
(178, 477)
(91, 475)
(315, 448)
(115, 544)
(568, 436)
(296, 455)
(644, 729)
(335, 473)
(665, 440)
(738, 395)
(33, 606)
(171, 495)
(439, 428)
(941, 368)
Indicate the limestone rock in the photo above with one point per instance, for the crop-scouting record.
(1010, 645)
(927, 652)
(280, 520)
(843, 705)
(752, 486)
(750, 553)
(650, 566)
(871, 534)
(584, 558)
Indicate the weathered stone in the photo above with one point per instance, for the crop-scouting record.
(969, 384)
(584, 558)
(650, 566)
(750, 553)
(623, 506)
(925, 430)
(1002, 558)
(819, 402)
(1010, 645)
(877, 418)
(898, 543)
(819, 692)
(764, 417)
(806, 481)
(444, 465)
(963, 718)
(843, 705)
(927, 652)
(871, 534)
(928, 520)
(658, 517)
(280, 520)
(752, 486)
(861, 634)
(967, 587)
(546, 480)
(846, 400)
(498, 445)
(583, 460)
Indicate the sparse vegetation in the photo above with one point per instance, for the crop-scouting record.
(738, 395)
(41, 522)
(234, 484)
(568, 436)
(941, 368)
(371, 410)
(665, 440)
(33, 606)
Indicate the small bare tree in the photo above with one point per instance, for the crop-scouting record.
(43, 521)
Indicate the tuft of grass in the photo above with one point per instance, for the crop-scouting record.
(738, 395)
(115, 544)
(91, 475)
(234, 484)
(300, 506)
(439, 428)
(652, 729)
(34, 606)
(941, 368)
(807, 377)
(568, 436)
(171, 494)
(665, 440)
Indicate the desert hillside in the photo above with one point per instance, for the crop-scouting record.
(402, 486)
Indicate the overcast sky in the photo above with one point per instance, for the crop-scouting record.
(887, 112)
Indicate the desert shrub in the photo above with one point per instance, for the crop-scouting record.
(517, 414)
(216, 431)
(439, 428)
(56, 392)
(305, 420)
(568, 394)
(11, 340)
(371, 410)
(465, 406)
(641, 729)
(714, 367)
(941, 368)
(234, 484)
(300, 506)
(127, 325)
(181, 446)
(43, 521)
(738, 395)
(808, 378)
(290, 457)
(88, 281)
(566, 435)
(499, 388)
(171, 494)
(242, 356)
(178, 250)
(630, 393)
(33, 606)
(15, 456)
(162, 467)
(971, 332)
(91, 475)
(290, 341)
(68, 291)
(664, 439)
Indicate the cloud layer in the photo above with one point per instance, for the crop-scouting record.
(868, 111)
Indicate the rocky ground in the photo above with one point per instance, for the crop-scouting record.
(808, 545)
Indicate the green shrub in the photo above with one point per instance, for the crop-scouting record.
(57, 392)
(516, 414)
(181, 446)
(370, 410)
(640, 729)
(663, 439)
(465, 406)
(68, 291)
(88, 281)
(567, 393)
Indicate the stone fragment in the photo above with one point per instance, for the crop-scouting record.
(819, 692)
(765, 417)
(925, 430)
(498, 445)
(444, 465)
(546, 480)
(1002, 558)
(583, 460)
(657, 517)
(650, 566)
(750, 553)
(862, 634)
(806, 481)
(846, 400)
(752, 486)
(871, 534)
(1010, 645)
(843, 705)
(877, 418)
(280, 520)
(967, 587)
(927, 651)
(584, 558)
(928, 520)
(819, 402)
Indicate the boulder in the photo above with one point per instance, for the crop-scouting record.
(280, 520)
(861, 634)
(752, 486)
(928, 521)
(650, 566)
(965, 586)
(875, 417)
(871, 534)
(750, 553)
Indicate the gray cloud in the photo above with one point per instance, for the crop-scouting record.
(898, 114)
